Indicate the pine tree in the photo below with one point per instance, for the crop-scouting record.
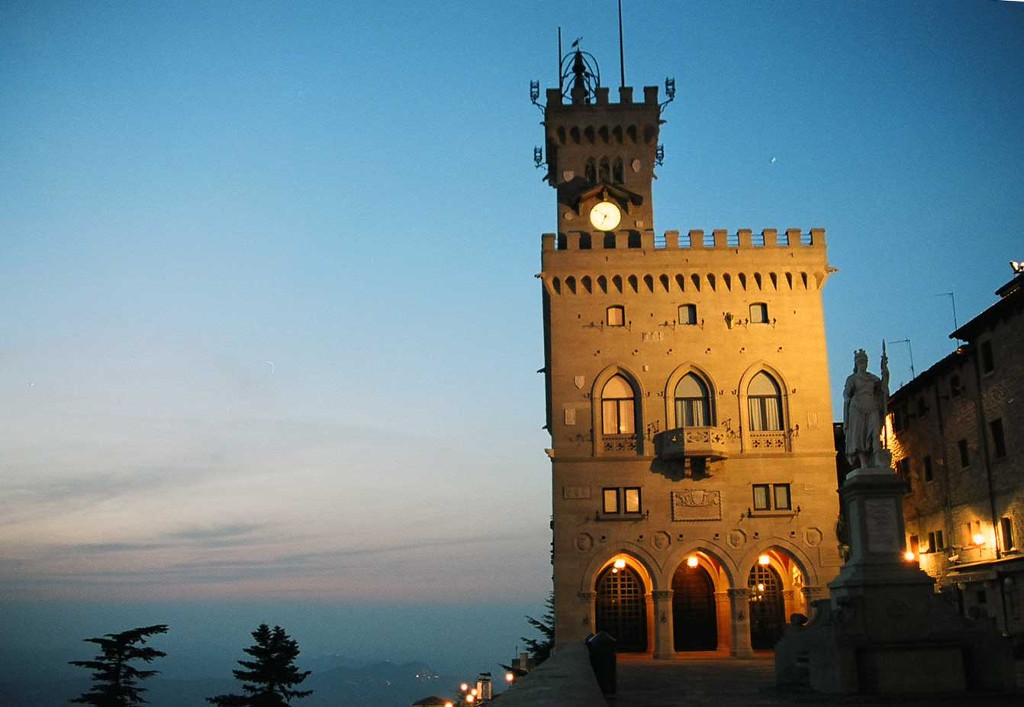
(114, 679)
(540, 649)
(268, 679)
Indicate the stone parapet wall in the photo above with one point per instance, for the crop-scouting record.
(563, 680)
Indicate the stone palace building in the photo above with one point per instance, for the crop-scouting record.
(692, 451)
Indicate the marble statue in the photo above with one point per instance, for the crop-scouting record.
(865, 399)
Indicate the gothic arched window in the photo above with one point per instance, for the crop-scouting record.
(764, 402)
(618, 173)
(591, 170)
(693, 403)
(604, 170)
(618, 412)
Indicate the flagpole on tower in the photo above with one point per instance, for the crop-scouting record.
(622, 56)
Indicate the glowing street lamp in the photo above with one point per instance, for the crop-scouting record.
(909, 555)
(978, 539)
(510, 678)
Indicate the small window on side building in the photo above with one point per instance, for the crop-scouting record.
(954, 386)
(998, 439)
(1006, 531)
(940, 542)
(928, 473)
(965, 455)
(988, 363)
(931, 542)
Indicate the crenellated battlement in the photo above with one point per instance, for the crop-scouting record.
(696, 261)
(693, 240)
(578, 97)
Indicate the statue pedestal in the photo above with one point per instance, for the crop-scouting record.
(884, 630)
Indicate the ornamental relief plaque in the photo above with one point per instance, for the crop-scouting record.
(696, 504)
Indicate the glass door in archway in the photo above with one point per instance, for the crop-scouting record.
(621, 608)
(767, 607)
(694, 618)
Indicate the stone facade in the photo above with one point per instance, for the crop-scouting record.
(693, 460)
(955, 432)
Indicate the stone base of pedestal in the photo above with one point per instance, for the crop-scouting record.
(884, 630)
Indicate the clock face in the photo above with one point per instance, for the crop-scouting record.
(605, 216)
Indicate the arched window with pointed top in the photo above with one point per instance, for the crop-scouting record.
(618, 408)
(764, 402)
(591, 171)
(693, 403)
(604, 173)
(618, 171)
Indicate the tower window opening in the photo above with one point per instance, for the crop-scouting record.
(688, 314)
(604, 173)
(618, 172)
(759, 313)
(591, 171)
(616, 315)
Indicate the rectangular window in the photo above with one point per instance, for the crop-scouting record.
(762, 501)
(620, 500)
(913, 545)
(954, 387)
(1006, 530)
(965, 455)
(616, 316)
(931, 542)
(769, 497)
(782, 500)
(632, 499)
(988, 363)
(759, 313)
(998, 440)
(940, 542)
(899, 419)
(611, 501)
(903, 470)
(688, 314)
(928, 473)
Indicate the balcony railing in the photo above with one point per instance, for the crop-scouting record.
(768, 441)
(707, 442)
(619, 443)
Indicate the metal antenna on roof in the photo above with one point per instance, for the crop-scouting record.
(952, 302)
(913, 374)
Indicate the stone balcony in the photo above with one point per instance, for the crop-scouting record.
(678, 444)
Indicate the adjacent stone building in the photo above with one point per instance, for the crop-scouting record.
(693, 461)
(956, 442)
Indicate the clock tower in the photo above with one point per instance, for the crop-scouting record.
(600, 155)
(692, 456)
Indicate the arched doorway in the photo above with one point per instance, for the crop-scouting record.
(695, 624)
(767, 607)
(621, 608)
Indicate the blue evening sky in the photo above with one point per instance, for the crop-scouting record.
(269, 322)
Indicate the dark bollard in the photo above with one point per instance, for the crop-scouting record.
(601, 647)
